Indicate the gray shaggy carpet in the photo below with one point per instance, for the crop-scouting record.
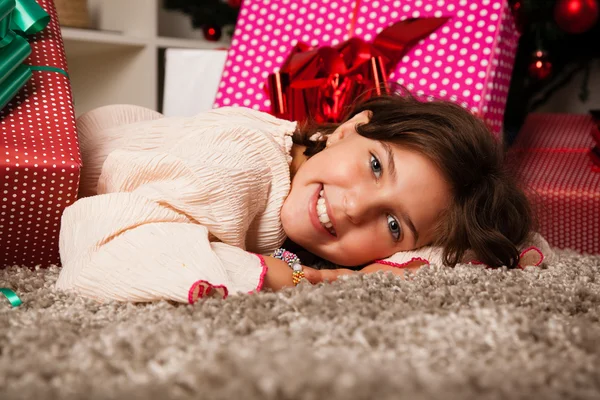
(463, 333)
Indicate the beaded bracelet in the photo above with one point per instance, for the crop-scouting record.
(293, 261)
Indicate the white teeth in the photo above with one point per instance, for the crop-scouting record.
(324, 219)
(322, 213)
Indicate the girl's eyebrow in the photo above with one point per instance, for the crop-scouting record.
(390, 157)
(392, 169)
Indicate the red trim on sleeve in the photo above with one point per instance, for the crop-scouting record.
(403, 265)
(521, 255)
(192, 293)
(265, 268)
(201, 288)
(535, 249)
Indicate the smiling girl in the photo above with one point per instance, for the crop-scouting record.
(178, 208)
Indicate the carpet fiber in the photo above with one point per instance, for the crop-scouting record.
(463, 333)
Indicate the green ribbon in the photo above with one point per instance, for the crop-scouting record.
(48, 69)
(17, 18)
(28, 17)
(12, 297)
(6, 9)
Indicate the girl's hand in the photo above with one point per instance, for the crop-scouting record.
(315, 276)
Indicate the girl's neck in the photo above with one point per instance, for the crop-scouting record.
(298, 158)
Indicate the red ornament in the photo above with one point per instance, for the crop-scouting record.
(540, 66)
(576, 16)
(518, 15)
(212, 32)
(234, 3)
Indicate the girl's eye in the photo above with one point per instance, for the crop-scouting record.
(394, 227)
(376, 166)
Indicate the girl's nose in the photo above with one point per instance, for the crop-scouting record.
(357, 206)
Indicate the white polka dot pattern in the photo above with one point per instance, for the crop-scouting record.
(469, 60)
(551, 156)
(40, 161)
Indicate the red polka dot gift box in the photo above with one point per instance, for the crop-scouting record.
(553, 156)
(40, 162)
(468, 59)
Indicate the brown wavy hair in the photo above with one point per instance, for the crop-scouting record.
(489, 214)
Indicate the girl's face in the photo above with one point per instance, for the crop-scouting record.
(361, 200)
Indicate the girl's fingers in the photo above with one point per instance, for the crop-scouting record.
(330, 275)
(315, 276)
(312, 275)
(399, 271)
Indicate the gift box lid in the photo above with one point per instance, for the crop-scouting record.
(555, 131)
(39, 122)
(560, 174)
(552, 155)
(552, 159)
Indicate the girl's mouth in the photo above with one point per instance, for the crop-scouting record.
(319, 213)
(324, 218)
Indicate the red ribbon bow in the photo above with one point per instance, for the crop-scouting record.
(322, 82)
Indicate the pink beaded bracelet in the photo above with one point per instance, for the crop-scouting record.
(293, 261)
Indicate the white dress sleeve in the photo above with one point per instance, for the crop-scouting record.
(532, 253)
(167, 229)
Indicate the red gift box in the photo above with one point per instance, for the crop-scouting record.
(552, 156)
(41, 161)
(595, 153)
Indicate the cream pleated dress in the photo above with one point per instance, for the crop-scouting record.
(171, 208)
(180, 208)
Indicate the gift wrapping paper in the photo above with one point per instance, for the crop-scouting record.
(468, 60)
(552, 156)
(595, 132)
(40, 162)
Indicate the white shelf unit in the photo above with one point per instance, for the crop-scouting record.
(120, 60)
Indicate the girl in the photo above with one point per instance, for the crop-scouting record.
(179, 208)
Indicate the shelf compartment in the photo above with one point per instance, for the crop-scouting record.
(188, 43)
(83, 42)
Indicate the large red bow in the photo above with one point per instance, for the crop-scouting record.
(321, 82)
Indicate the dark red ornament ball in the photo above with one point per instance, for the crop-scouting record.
(212, 32)
(576, 16)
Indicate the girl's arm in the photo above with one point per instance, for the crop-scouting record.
(279, 274)
(329, 275)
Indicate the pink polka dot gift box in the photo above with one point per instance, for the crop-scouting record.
(40, 160)
(468, 60)
(552, 155)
